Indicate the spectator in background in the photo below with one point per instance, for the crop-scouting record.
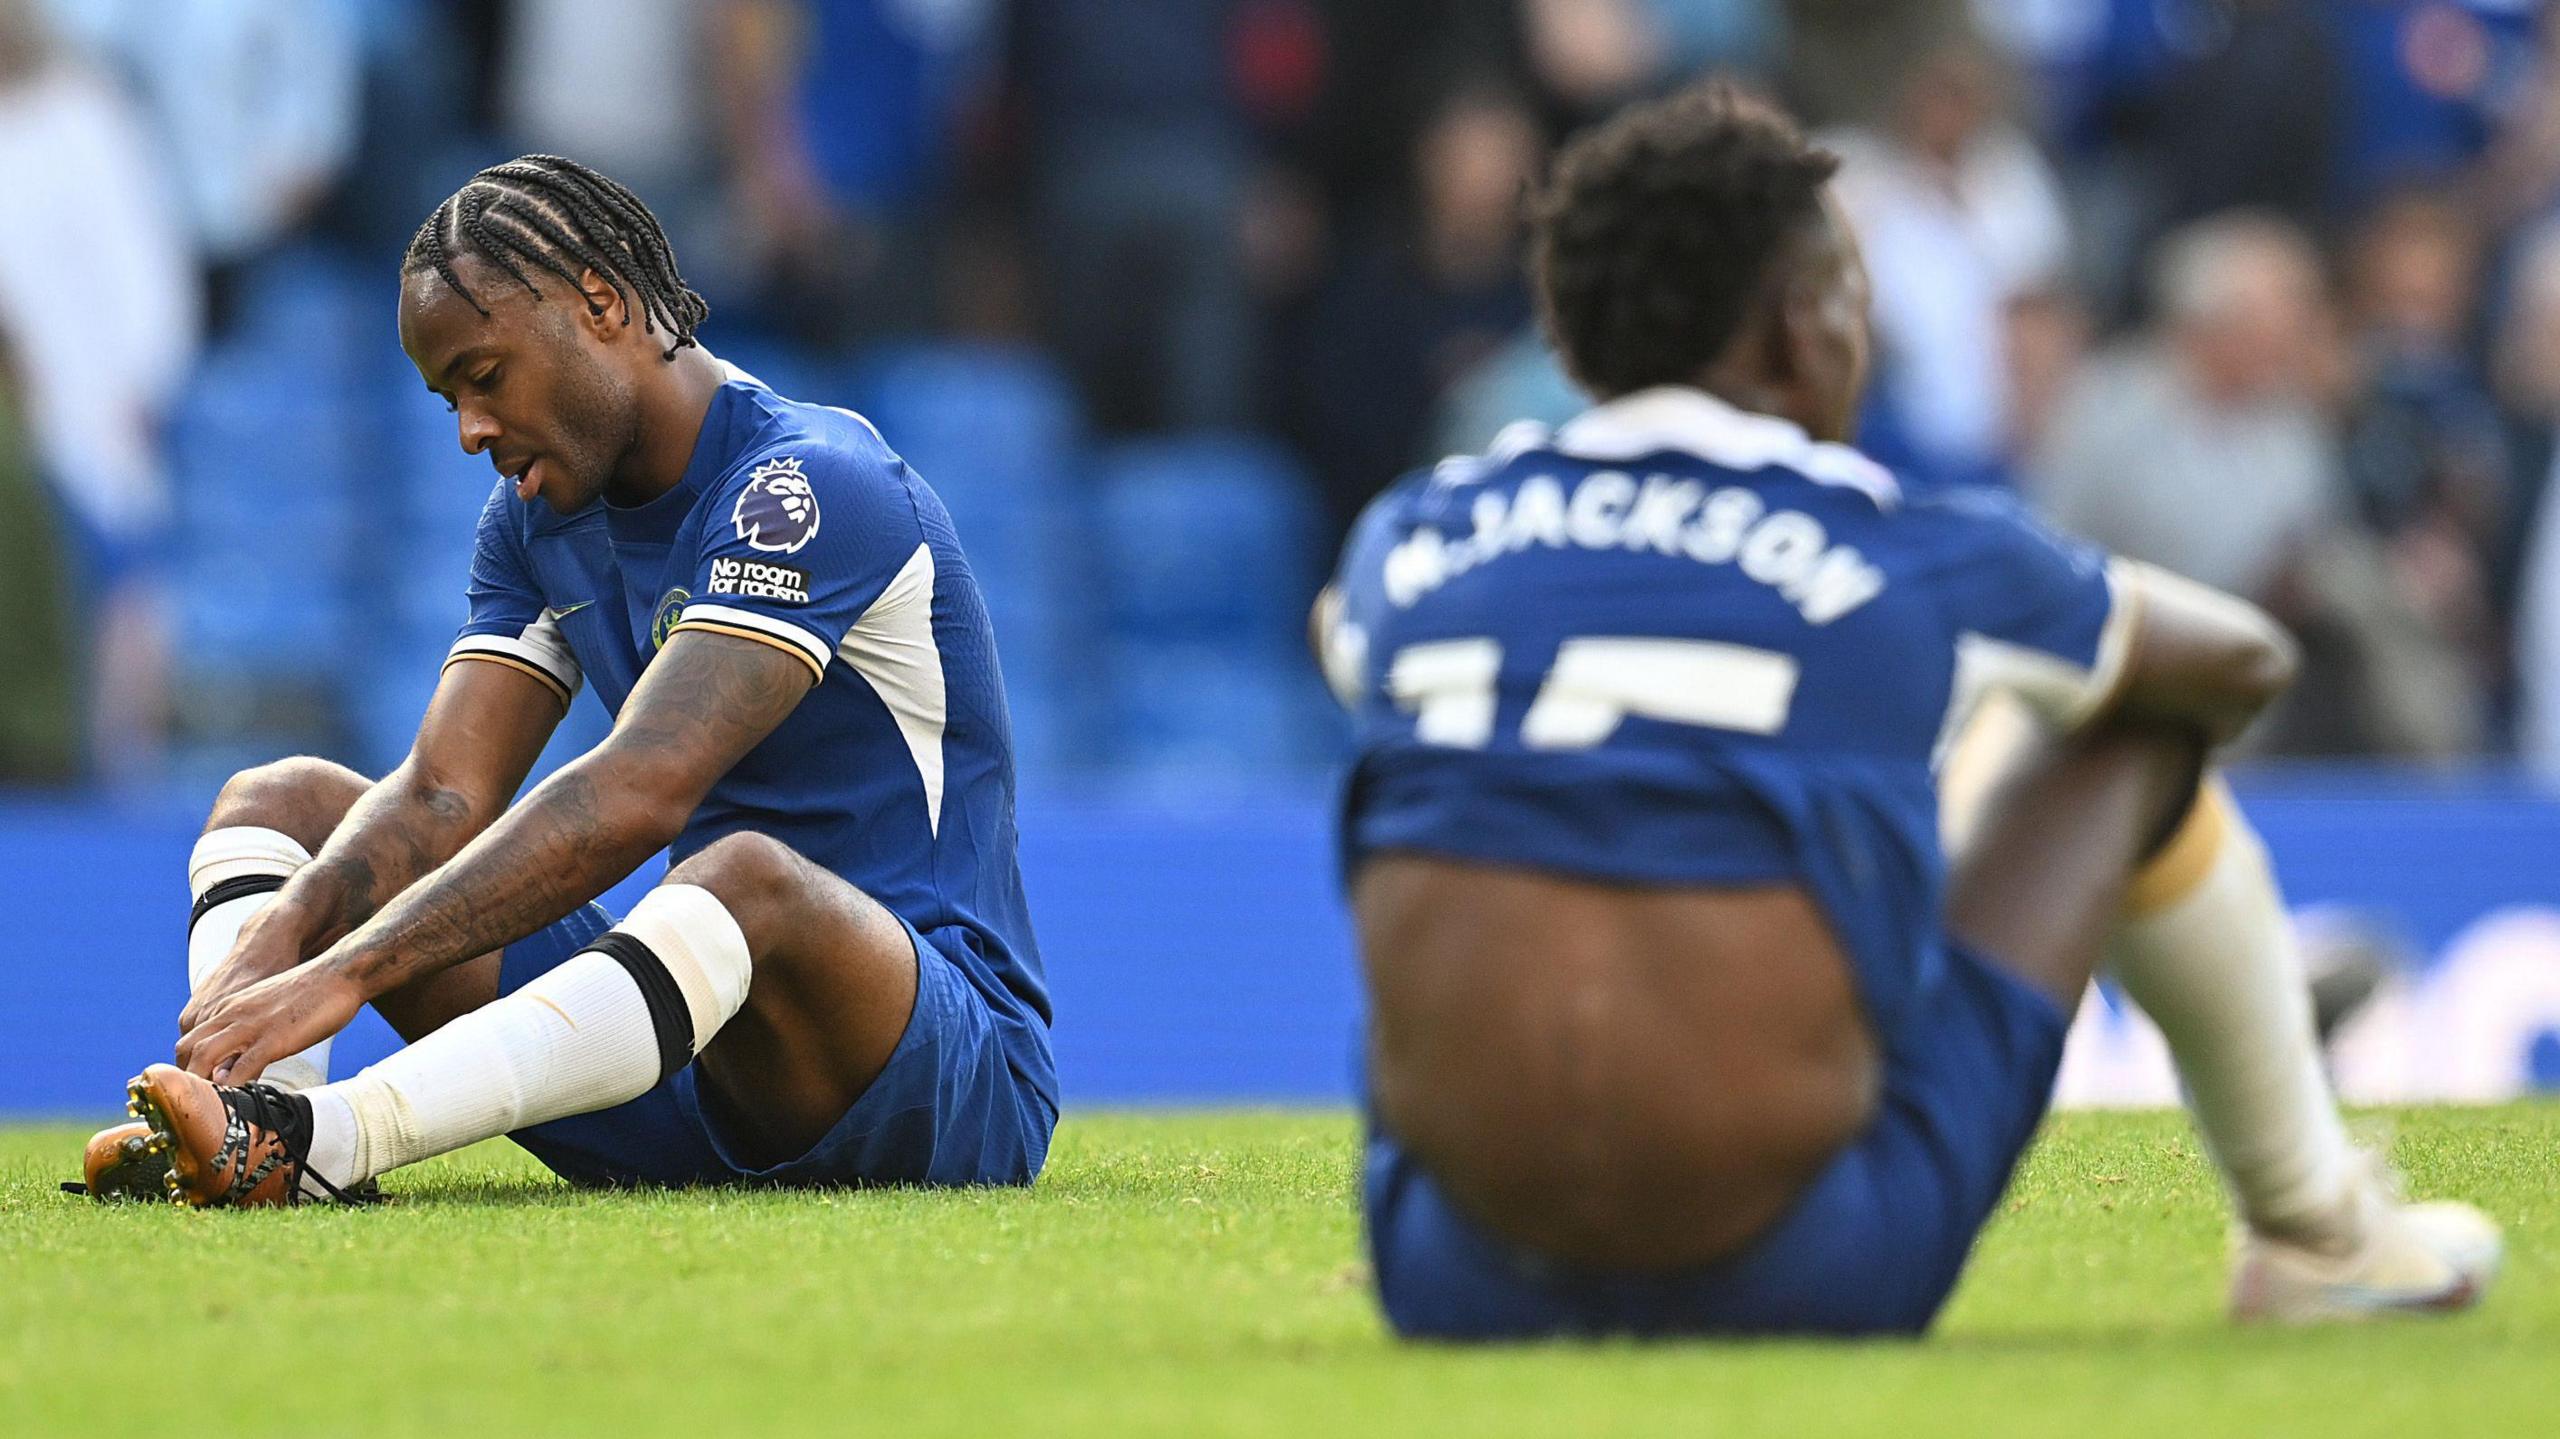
(1384, 63)
(100, 302)
(2059, 46)
(2200, 445)
(2528, 376)
(254, 101)
(2433, 85)
(1137, 164)
(653, 135)
(2246, 110)
(2204, 446)
(843, 122)
(1588, 57)
(1696, 36)
(1522, 380)
(1655, 43)
(40, 698)
(1845, 60)
(2168, 111)
(2426, 461)
(1422, 302)
(2048, 338)
(1961, 220)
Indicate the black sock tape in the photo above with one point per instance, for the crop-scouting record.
(231, 889)
(668, 1013)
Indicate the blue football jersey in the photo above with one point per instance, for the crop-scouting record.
(1672, 643)
(797, 526)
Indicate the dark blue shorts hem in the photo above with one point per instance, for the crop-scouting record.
(951, 1107)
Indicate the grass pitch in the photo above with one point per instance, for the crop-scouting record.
(1180, 1273)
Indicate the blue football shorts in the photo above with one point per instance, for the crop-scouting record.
(949, 1108)
(1872, 1246)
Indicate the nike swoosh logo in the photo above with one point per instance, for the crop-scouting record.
(2460, 1292)
(571, 610)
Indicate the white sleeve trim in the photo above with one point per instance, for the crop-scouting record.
(2115, 644)
(538, 644)
(808, 642)
(2062, 694)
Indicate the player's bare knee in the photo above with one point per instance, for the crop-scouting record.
(301, 796)
(756, 877)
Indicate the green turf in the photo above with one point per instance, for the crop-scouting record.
(1178, 1274)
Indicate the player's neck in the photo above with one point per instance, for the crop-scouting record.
(674, 401)
(1751, 395)
(1742, 379)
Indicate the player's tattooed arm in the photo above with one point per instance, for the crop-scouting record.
(482, 732)
(703, 703)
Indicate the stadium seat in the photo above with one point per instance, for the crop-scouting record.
(1191, 716)
(973, 419)
(789, 369)
(994, 431)
(385, 709)
(322, 314)
(418, 461)
(1206, 537)
(267, 530)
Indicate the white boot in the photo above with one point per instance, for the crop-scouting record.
(2402, 1258)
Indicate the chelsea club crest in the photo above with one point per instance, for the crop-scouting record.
(668, 609)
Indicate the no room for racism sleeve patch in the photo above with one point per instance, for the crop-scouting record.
(756, 580)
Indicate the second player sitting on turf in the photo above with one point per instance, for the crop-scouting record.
(1682, 1020)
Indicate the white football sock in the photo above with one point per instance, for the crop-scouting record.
(245, 852)
(2205, 949)
(583, 1037)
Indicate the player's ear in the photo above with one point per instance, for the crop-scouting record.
(1786, 324)
(606, 310)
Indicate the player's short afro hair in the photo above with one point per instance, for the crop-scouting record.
(1653, 235)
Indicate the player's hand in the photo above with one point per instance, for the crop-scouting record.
(264, 950)
(237, 1037)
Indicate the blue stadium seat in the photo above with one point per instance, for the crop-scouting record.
(994, 430)
(974, 420)
(384, 710)
(1191, 715)
(317, 319)
(786, 367)
(241, 615)
(268, 530)
(417, 462)
(247, 415)
(1206, 537)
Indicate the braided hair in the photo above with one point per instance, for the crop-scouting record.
(561, 216)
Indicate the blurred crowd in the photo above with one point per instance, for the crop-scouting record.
(2265, 291)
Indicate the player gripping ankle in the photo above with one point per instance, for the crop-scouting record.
(837, 982)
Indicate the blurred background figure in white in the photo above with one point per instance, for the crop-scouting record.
(1964, 222)
(99, 313)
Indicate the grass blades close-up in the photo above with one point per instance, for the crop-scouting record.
(1181, 1273)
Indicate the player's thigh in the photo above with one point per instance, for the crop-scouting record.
(835, 983)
